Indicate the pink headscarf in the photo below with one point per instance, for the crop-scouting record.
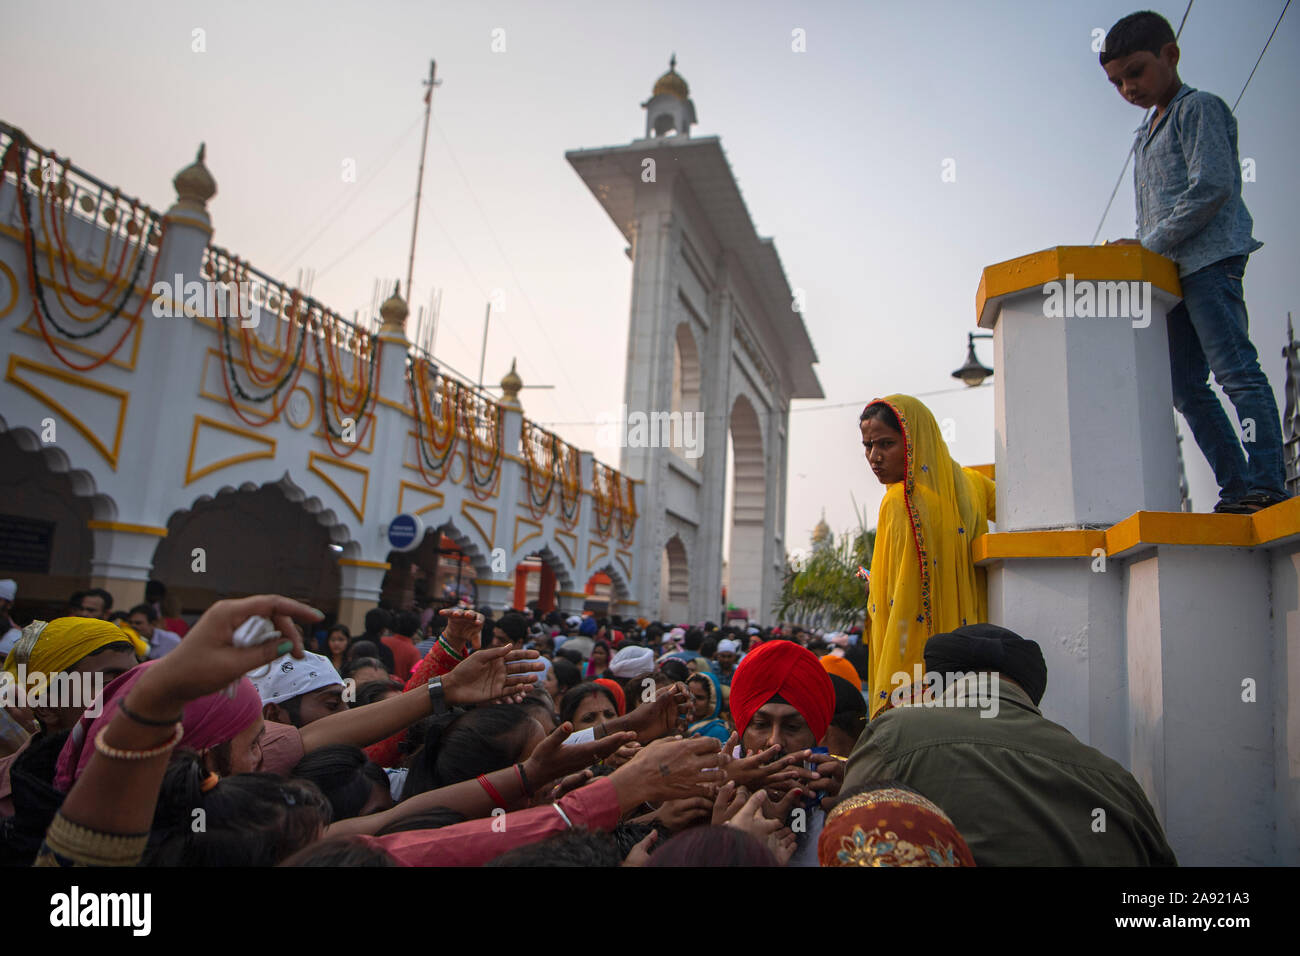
(208, 721)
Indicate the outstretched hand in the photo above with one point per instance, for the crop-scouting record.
(668, 770)
(551, 759)
(207, 660)
(490, 675)
(753, 819)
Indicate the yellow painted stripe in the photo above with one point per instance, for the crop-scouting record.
(1279, 521)
(1101, 263)
(581, 594)
(128, 528)
(1037, 544)
(492, 582)
(1146, 528)
(357, 563)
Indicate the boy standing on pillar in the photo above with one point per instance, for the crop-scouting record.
(1187, 180)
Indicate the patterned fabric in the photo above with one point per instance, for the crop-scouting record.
(923, 580)
(891, 827)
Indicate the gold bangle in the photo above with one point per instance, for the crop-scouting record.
(113, 753)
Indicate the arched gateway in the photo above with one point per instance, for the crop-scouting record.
(715, 333)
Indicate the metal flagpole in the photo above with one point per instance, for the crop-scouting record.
(419, 181)
(482, 356)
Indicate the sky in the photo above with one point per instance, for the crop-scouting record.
(839, 151)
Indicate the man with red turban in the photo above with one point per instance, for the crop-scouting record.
(781, 696)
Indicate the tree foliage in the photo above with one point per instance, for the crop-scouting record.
(822, 587)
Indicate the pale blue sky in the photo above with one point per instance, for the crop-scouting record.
(838, 151)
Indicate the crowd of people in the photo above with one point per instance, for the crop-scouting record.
(532, 739)
(260, 734)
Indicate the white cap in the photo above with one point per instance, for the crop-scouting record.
(727, 646)
(574, 620)
(285, 678)
(8, 589)
(632, 662)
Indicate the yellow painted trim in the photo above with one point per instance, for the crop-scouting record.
(985, 470)
(314, 456)
(17, 361)
(624, 601)
(127, 528)
(396, 405)
(358, 563)
(1279, 521)
(489, 538)
(182, 220)
(626, 565)
(1175, 527)
(604, 552)
(525, 521)
(581, 594)
(432, 492)
(493, 582)
(1093, 263)
(13, 282)
(570, 547)
(199, 421)
(1037, 544)
(1146, 528)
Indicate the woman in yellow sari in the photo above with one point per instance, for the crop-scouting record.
(923, 580)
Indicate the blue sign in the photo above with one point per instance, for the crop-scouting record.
(405, 532)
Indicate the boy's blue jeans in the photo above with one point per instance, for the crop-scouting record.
(1207, 332)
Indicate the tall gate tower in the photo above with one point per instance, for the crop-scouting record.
(716, 340)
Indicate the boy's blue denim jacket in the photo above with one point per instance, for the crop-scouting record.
(1187, 180)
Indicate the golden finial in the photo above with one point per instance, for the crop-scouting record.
(394, 312)
(194, 184)
(510, 386)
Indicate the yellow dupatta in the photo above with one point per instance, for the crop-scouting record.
(923, 581)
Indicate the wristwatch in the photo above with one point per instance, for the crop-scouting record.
(438, 696)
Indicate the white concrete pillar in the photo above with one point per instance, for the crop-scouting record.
(1084, 422)
(1200, 701)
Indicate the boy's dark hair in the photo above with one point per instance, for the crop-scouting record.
(252, 819)
(461, 747)
(1137, 33)
(407, 623)
(344, 775)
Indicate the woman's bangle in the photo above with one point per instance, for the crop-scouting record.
(491, 791)
(446, 646)
(114, 753)
(172, 722)
(523, 779)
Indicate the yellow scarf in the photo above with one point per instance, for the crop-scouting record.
(923, 581)
(54, 647)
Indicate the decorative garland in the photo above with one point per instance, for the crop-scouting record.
(444, 449)
(539, 503)
(15, 161)
(363, 411)
(484, 473)
(570, 468)
(602, 499)
(230, 379)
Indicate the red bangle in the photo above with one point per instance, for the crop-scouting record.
(491, 791)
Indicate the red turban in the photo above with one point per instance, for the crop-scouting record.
(786, 669)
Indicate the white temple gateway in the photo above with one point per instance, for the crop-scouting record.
(228, 460)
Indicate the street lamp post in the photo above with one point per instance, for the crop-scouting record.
(973, 373)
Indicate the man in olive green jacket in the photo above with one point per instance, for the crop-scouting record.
(1022, 790)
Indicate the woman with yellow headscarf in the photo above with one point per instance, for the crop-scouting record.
(923, 580)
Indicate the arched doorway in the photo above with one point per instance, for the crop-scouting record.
(249, 541)
(45, 543)
(748, 508)
(674, 583)
(686, 392)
